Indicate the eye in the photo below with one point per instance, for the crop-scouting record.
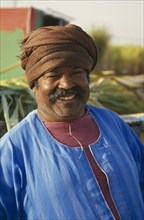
(78, 72)
(51, 75)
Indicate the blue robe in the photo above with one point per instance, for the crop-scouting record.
(42, 179)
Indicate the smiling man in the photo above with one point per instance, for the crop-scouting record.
(62, 93)
(68, 160)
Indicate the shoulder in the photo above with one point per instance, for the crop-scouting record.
(103, 112)
(111, 120)
(21, 130)
(114, 124)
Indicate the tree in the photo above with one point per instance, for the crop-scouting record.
(102, 38)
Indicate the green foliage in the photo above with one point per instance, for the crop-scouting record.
(121, 59)
(116, 93)
(124, 60)
(16, 100)
(102, 38)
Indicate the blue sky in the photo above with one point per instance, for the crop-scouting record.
(122, 18)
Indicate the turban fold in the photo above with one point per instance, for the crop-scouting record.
(57, 46)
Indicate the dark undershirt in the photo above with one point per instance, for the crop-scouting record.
(84, 132)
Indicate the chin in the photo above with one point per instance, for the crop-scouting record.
(68, 116)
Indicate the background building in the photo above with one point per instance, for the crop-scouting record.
(15, 23)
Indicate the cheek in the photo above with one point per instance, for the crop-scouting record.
(85, 85)
(41, 94)
(87, 93)
(45, 88)
(87, 89)
(43, 91)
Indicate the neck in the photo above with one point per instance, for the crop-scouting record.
(47, 116)
(83, 130)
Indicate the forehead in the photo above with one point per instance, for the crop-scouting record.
(66, 68)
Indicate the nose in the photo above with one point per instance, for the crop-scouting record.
(66, 82)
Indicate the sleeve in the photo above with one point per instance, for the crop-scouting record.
(10, 182)
(136, 147)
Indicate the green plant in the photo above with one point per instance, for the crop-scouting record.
(16, 99)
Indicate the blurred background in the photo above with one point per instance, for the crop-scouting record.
(116, 26)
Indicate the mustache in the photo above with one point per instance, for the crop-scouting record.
(56, 94)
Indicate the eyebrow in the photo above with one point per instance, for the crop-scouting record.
(49, 70)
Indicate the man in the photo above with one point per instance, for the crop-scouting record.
(68, 160)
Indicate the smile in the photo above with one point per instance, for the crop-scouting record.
(68, 97)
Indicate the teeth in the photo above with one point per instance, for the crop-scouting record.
(67, 97)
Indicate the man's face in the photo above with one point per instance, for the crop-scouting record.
(62, 93)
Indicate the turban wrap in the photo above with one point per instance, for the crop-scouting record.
(51, 47)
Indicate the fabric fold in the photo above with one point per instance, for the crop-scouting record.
(57, 46)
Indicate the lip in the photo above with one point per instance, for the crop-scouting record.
(70, 101)
(67, 97)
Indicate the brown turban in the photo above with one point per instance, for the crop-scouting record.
(57, 46)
